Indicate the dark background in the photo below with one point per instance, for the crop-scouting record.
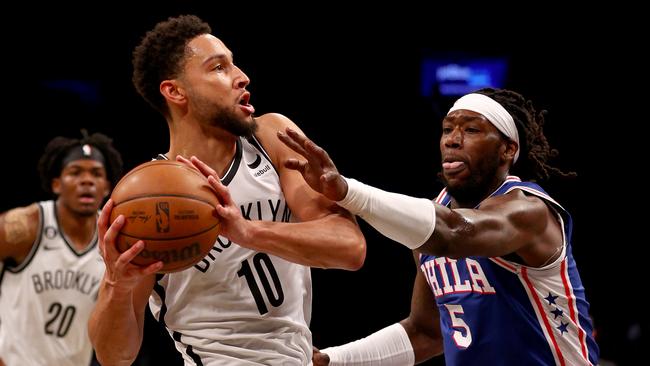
(349, 77)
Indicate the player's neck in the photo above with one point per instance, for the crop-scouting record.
(212, 145)
(78, 229)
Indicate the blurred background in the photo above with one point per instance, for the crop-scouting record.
(369, 84)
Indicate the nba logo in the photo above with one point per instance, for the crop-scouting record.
(162, 217)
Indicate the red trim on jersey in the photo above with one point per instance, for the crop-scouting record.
(569, 295)
(441, 195)
(540, 309)
(504, 264)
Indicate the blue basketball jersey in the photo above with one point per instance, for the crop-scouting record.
(498, 312)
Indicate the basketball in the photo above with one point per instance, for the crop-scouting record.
(170, 207)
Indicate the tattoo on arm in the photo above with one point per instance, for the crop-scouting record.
(16, 225)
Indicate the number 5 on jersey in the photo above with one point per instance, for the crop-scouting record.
(461, 340)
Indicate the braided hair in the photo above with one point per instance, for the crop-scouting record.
(534, 147)
(161, 56)
(50, 164)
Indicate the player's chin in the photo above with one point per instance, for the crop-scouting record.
(88, 208)
(248, 119)
(456, 178)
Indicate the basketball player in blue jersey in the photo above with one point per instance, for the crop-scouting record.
(51, 266)
(497, 283)
(248, 302)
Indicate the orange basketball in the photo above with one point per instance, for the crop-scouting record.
(170, 207)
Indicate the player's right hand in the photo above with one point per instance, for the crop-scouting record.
(120, 272)
(233, 224)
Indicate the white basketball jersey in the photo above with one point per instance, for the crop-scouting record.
(45, 302)
(238, 306)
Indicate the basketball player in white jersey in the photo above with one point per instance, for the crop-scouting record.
(248, 302)
(51, 266)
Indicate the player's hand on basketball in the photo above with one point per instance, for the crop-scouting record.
(320, 359)
(233, 224)
(120, 272)
(319, 170)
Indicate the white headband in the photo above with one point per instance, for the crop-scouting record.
(493, 111)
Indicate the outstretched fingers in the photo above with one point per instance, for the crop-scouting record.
(295, 164)
(319, 153)
(293, 140)
(315, 154)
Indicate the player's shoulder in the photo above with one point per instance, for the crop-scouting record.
(516, 198)
(27, 212)
(274, 122)
(19, 227)
(267, 133)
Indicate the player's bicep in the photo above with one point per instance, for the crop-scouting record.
(502, 225)
(18, 230)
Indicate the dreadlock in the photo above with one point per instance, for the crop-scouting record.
(534, 147)
(50, 163)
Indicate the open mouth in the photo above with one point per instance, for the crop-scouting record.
(245, 98)
(244, 103)
(453, 167)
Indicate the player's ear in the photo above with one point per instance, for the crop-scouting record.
(172, 91)
(510, 150)
(56, 186)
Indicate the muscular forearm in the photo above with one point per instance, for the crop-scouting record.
(333, 241)
(114, 327)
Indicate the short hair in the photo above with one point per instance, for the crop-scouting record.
(50, 164)
(533, 145)
(161, 56)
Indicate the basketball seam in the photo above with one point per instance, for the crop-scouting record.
(196, 198)
(174, 238)
(158, 162)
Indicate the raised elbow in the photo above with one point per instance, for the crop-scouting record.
(359, 257)
(356, 256)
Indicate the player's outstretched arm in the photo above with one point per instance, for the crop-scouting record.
(413, 340)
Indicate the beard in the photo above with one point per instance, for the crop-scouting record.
(477, 186)
(219, 116)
